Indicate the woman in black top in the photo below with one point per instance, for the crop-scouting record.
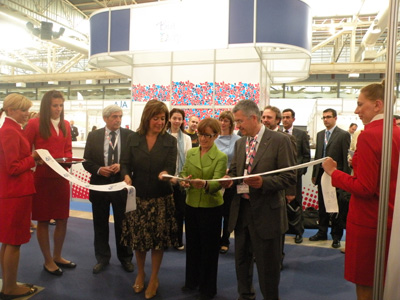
(152, 226)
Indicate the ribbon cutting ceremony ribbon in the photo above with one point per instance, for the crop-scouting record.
(328, 191)
(53, 164)
(311, 163)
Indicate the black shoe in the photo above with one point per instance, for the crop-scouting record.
(204, 297)
(128, 266)
(298, 239)
(318, 237)
(187, 289)
(57, 272)
(70, 265)
(99, 267)
(336, 243)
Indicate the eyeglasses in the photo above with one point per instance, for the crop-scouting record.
(207, 136)
(326, 117)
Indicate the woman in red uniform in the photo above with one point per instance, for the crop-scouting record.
(51, 132)
(16, 189)
(364, 186)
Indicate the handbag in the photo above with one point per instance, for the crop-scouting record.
(311, 217)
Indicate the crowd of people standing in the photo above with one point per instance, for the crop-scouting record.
(257, 208)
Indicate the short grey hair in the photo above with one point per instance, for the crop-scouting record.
(109, 110)
(248, 107)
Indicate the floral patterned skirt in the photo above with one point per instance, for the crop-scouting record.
(152, 225)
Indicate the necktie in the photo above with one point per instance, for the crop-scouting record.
(252, 144)
(287, 131)
(251, 155)
(112, 150)
(327, 136)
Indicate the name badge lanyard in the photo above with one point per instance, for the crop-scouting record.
(250, 151)
(111, 145)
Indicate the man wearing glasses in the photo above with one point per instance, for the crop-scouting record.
(335, 143)
(258, 210)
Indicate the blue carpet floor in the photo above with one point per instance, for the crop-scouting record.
(309, 273)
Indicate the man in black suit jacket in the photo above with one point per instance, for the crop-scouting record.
(258, 210)
(102, 153)
(74, 131)
(271, 118)
(334, 144)
(303, 156)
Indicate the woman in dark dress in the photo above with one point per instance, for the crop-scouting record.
(152, 226)
(16, 190)
(50, 131)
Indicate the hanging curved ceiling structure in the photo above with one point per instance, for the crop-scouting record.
(275, 33)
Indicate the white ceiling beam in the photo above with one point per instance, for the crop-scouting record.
(72, 76)
(330, 39)
(29, 63)
(346, 68)
(69, 64)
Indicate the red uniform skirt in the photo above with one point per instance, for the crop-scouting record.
(360, 254)
(15, 220)
(51, 200)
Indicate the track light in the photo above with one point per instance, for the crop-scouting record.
(45, 32)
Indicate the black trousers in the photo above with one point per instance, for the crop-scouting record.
(101, 202)
(226, 207)
(203, 231)
(179, 199)
(324, 218)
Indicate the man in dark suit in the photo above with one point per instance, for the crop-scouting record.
(74, 131)
(303, 156)
(335, 143)
(258, 211)
(271, 118)
(103, 150)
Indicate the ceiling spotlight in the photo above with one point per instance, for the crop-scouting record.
(60, 32)
(32, 29)
(45, 32)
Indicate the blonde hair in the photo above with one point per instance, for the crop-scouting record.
(375, 91)
(16, 101)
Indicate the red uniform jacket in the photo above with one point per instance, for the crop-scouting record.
(364, 185)
(58, 146)
(16, 161)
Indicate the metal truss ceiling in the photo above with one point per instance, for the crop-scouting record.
(340, 44)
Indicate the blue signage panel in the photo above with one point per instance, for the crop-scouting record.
(120, 24)
(99, 33)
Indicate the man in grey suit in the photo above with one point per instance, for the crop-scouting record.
(258, 211)
(303, 156)
(335, 143)
(102, 155)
